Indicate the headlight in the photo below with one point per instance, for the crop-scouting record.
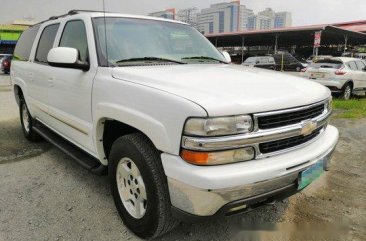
(219, 126)
(329, 104)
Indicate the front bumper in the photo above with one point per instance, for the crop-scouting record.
(220, 190)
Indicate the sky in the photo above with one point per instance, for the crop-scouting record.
(304, 12)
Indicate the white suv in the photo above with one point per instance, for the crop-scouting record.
(343, 76)
(182, 133)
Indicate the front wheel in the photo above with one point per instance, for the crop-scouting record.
(347, 92)
(139, 186)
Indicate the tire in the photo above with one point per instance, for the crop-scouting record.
(347, 92)
(128, 153)
(298, 69)
(27, 122)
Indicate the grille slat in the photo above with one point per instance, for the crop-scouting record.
(274, 146)
(280, 120)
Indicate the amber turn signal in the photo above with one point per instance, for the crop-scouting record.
(218, 157)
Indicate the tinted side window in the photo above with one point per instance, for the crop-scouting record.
(74, 36)
(45, 43)
(25, 43)
(360, 65)
(352, 65)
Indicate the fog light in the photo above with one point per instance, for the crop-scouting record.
(219, 157)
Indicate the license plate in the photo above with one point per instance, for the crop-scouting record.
(317, 75)
(309, 175)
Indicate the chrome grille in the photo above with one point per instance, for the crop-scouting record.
(279, 145)
(289, 118)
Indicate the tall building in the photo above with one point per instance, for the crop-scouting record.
(188, 15)
(168, 14)
(228, 17)
(269, 19)
(245, 15)
(283, 20)
(219, 18)
(259, 22)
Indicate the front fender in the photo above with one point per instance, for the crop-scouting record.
(159, 115)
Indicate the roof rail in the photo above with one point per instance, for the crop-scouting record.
(71, 12)
(76, 11)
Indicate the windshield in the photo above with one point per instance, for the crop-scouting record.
(138, 41)
(327, 63)
(251, 60)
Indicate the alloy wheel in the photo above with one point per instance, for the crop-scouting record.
(131, 188)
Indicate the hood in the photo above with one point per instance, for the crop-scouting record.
(227, 89)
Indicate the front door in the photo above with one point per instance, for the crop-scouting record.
(70, 97)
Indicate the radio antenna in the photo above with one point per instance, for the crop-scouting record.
(105, 34)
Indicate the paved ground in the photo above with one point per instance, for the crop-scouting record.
(44, 195)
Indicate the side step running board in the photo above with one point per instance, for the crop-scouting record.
(84, 159)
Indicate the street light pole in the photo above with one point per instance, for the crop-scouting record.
(345, 43)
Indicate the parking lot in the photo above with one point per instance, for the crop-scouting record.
(45, 195)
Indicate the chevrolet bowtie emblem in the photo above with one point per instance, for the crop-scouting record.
(308, 127)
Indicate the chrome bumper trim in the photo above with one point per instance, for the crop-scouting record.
(206, 202)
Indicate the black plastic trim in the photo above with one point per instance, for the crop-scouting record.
(84, 159)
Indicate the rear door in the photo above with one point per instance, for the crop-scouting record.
(71, 92)
(40, 70)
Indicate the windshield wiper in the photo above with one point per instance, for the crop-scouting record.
(149, 59)
(204, 58)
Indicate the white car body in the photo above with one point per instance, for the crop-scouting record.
(158, 100)
(351, 71)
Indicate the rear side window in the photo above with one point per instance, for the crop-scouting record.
(352, 65)
(25, 43)
(74, 36)
(45, 43)
(360, 65)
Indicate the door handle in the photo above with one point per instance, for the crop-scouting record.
(50, 81)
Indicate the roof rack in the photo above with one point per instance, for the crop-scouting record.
(76, 11)
(71, 12)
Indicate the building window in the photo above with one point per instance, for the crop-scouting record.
(210, 27)
(221, 21)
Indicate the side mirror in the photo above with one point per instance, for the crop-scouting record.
(257, 62)
(65, 57)
(227, 56)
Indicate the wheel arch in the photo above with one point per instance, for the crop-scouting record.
(108, 128)
(18, 93)
(349, 82)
